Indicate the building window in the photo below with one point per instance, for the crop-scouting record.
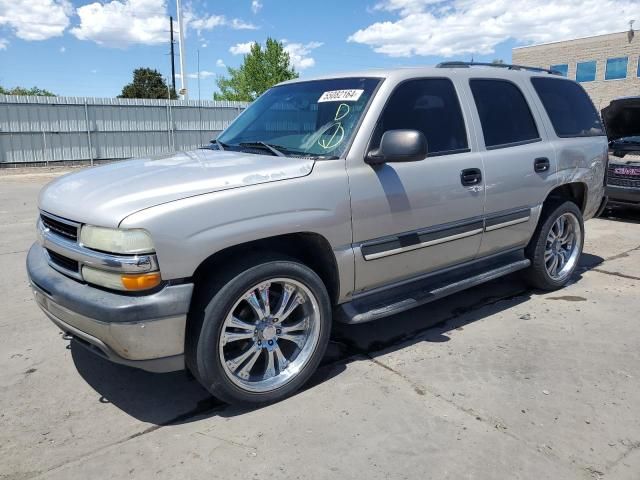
(586, 71)
(616, 68)
(638, 66)
(562, 69)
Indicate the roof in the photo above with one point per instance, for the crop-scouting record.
(403, 73)
(569, 40)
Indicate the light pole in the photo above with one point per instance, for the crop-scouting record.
(183, 74)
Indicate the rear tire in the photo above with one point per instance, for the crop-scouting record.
(556, 246)
(259, 333)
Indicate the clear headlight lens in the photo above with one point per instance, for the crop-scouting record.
(116, 240)
(121, 281)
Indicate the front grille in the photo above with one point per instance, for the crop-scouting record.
(60, 228)
(624, 176)
(624, 182)
(64, 262)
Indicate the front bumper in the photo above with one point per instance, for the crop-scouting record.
(623, 195)
(145, 331)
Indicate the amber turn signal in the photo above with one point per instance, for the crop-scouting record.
(141, 282)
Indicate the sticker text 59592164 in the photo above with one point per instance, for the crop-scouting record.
(341, 96)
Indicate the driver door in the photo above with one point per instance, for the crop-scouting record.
(416, 217)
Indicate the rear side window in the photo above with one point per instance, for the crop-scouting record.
(569, 107)
(431, 106)
(505, 116)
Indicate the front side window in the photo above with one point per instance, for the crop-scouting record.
(430, 106)
(569, 107)
(616, 68)
(316, 118)
(505, 116)
(586, 71)
(561, 68)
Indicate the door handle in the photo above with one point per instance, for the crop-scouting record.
(541, 164)
(470, 176)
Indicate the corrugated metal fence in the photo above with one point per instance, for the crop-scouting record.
(43, 130)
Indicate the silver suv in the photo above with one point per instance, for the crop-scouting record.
(351, 197)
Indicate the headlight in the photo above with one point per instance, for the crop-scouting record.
(121, 281)
(116, 240)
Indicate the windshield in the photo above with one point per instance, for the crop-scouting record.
(316, 118)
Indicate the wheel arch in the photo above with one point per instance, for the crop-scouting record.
(576, 192)
(309, 248)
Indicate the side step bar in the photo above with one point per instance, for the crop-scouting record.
(427, 290)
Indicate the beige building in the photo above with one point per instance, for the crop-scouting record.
(606, 65)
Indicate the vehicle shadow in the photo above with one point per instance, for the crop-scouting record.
(621, 214)
(174, 398)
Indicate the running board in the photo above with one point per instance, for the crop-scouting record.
(408, 296)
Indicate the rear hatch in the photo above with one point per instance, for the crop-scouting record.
(622, 122)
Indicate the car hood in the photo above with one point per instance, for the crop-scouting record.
(106, 195)
(622, 118)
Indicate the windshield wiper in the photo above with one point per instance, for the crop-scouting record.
(221, 146)
(266, 146)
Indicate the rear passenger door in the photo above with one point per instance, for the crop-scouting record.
(519, 163)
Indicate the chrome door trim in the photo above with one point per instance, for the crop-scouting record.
(408, 241)
(507, 224)
(507, 219)
(430, 243)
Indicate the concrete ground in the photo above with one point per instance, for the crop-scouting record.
(499, 382)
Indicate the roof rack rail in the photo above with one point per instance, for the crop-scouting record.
(497, 65)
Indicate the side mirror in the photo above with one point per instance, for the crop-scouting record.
(399, 146)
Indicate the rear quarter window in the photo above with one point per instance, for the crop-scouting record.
(570, 109)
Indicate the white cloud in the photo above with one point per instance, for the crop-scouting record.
(63, 49)
(256, 6)
(241, 48)
(204, 23)
(200, 23)
(443, 28)
(238, 24)
(203, 74)
(123, 23)
(299, 53)
(220, 63)
(35, 19)
(204, 45)
(4, 43)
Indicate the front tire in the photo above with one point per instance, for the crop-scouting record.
(556, 246)
(261, 334)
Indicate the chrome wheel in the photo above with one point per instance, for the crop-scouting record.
(270, 334)
(563, 246)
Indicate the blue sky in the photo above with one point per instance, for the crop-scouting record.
(84, 48)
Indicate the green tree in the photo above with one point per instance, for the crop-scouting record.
(33, 91)
(147, 83)
(261, 69)
(498, 61)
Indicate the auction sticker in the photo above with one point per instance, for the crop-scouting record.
(341, 96)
